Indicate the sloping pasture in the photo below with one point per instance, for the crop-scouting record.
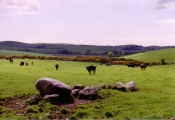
(155, 56)
(154, 100)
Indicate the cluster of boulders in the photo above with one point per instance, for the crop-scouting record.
(131, 86)
(56, 91)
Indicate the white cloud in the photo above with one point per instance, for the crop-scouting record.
(138, 40)
(164, 1)
(165, 4)
(21, 6)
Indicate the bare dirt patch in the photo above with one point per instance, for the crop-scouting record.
(19, 107)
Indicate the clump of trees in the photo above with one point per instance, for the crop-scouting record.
(110, 54)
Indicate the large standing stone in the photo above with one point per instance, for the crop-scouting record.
(48, 86)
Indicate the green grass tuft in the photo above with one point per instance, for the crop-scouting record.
(65, 111)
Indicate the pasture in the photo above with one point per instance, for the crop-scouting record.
(155, 56)
(154, 100)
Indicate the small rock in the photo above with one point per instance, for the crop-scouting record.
(78, 86)
(50, 96)
(101, 86)
(120, 86)
(131, 86)
(75, 92)
(34, 99)
(172, 118)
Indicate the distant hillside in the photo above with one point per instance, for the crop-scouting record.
(155, 56)
(19, 53)
(71, 49)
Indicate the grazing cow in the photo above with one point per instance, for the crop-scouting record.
(11, 60)
(26, 63)
(132, 65)
(143, 66)
(22, 64)
(32, 63)
(91, 68)
(56, 66)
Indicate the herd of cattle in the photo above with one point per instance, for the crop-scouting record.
(133, 65)
(22, 63)
(91, 67)
(142, 65)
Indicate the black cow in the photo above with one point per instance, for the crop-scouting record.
(91, 68)
(56, 66)
(22, 64)
(11, 60)
(143, 66)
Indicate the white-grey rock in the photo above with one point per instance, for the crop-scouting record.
(119, 85)
(131, 86)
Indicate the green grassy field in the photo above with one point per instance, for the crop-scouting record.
(155, 56)
(154, 100)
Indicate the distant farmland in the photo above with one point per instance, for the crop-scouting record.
(155, 56)
(19, 53)
(72, 49)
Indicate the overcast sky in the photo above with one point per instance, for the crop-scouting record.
(91, 22)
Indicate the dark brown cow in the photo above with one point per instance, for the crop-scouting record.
(143, 66)
(26, 63)
(91, 68)
(56, 66)
(132, 65)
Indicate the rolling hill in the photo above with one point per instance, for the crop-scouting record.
(19, 53)
(155, 56)
(72, 49)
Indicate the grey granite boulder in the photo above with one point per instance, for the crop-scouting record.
(89, 92)
(48, 86)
